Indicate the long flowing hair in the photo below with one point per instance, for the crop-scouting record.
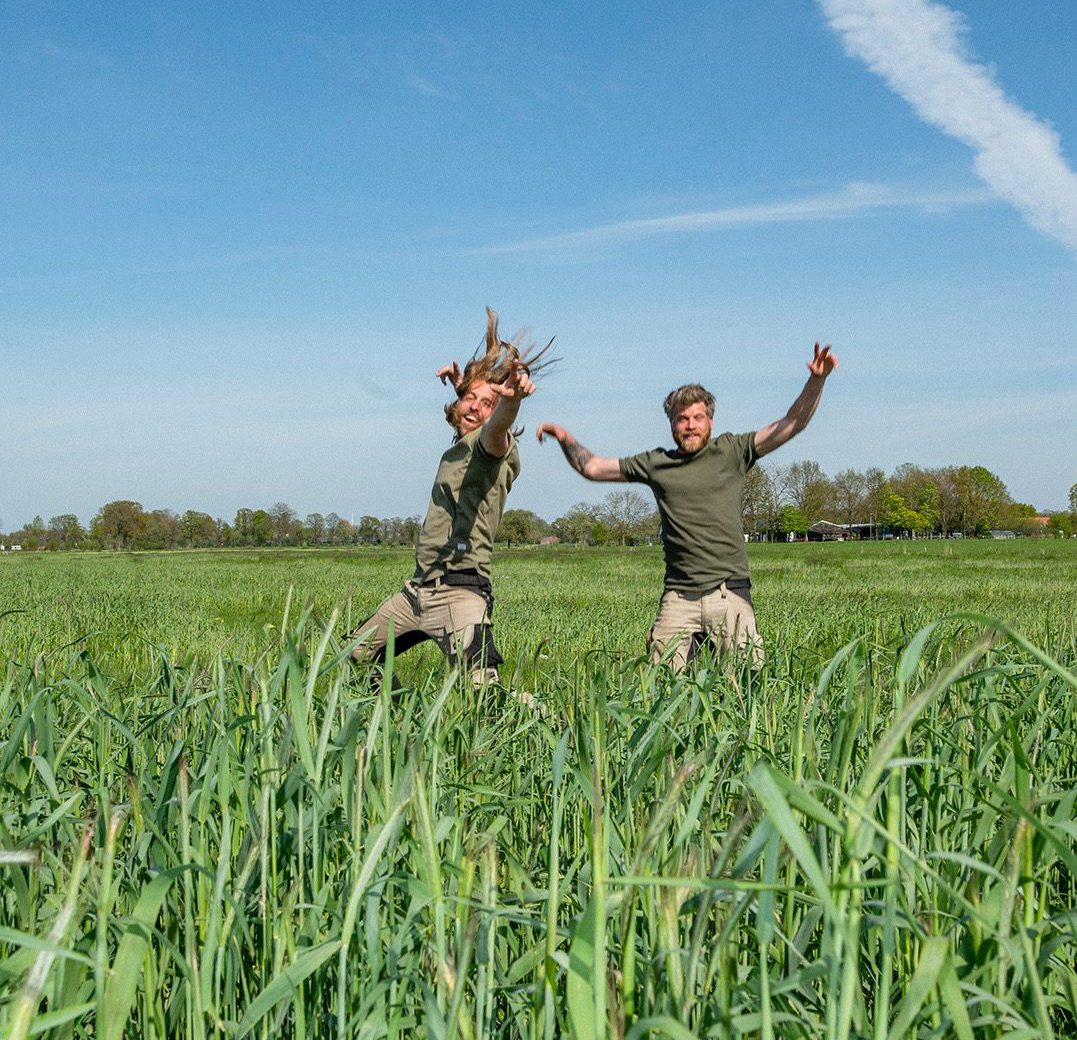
(495, 360)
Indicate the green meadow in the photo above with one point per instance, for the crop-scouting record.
(213, 825)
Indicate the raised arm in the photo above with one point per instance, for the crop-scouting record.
(583, 461)
(495, 431)
(777, 433)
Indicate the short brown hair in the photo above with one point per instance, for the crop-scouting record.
(690, 393)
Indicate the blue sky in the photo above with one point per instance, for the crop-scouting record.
(240, 238)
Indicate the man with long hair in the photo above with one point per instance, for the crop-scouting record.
(698, 488)
(449, 598)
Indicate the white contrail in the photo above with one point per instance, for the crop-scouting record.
(917, 47)
(852, 200)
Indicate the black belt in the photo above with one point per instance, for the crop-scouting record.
(737, 583)
(468, 579)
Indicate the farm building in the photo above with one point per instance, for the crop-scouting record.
(825, 531)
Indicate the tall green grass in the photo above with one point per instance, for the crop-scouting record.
(127, 608)
(872, 839)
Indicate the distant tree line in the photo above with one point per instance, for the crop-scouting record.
(970, 501)
(125, 525)
(779, 501)
(623, 517)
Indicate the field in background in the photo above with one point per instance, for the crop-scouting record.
(127, 606)
(215, 827)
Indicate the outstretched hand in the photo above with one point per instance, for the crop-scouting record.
(581, 459)
(823, 363)
(451, 374)
(559, 433)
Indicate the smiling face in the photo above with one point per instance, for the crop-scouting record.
(691, 427)
(474, 407)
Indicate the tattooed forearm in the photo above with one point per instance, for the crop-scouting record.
(578, 456)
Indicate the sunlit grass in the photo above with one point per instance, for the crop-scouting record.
(872, 837)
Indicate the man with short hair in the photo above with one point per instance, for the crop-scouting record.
(698, 488)
(449, 598)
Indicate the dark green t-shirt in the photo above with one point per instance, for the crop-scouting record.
(699, 499)
(465, 508)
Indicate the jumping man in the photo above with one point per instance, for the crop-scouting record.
(449, 598)
(698, 488)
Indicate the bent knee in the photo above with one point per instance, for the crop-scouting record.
(477, 650)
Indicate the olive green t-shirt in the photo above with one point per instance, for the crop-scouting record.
(465, 508)
(699, 499)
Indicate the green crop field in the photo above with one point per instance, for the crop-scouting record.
(213, 825)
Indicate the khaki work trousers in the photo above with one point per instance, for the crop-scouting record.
(723, 617)
(456, 617)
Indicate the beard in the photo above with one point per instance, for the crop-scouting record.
(690, 443)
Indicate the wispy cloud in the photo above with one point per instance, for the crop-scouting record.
(850, 201)
(428, 88)
(918, 48)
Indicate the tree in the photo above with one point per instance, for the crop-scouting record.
(33, 535)
(926, 504)
(315, 527)
(874, 496)
(580, 525)
(119, 524)
(981, 496)
(760, 507)
(793, 521)
(1019, 517)
(398, 530)
(391, 530)
(65, 531)
(948, 482)
(1073, 498)
(625, 514)
(517, 527)
(369, 532)
(163, 530)
(284, 519)
(261, 528)
(410, 530)
(920, 492)
(849, 490)
(808, 488)
(899, 516)
(1061, 525)
(333, 529)
(243, 527)
(199, 529)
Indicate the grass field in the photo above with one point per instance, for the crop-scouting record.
(213, 826)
